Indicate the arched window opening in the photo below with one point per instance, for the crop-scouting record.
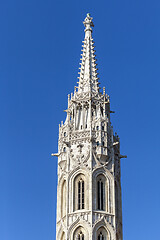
(64, 149)
(80, 236)
(80, 194)
(100, 192)
(100, 236)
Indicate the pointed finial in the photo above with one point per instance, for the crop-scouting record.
(88, 23)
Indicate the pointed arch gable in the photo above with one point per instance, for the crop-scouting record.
(104, 224)
(77, 170)
(75, 226)
(102, 170)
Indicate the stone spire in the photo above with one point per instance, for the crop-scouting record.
(88, 80)
(89, 173)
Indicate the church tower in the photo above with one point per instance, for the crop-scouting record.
(89, 185)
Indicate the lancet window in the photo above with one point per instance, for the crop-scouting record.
(80, 236)
(101, 236)
(100, 194)
(80, 194)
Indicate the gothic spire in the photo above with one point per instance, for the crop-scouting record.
(88, 80)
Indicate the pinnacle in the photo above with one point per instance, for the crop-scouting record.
(88, 81)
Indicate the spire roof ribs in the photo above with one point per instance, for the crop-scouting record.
(88, 80)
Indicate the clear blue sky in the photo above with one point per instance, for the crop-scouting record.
(40, 46)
